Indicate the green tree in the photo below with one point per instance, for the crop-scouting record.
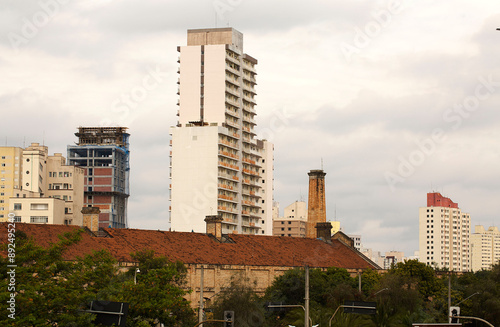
(158, 295)
(53, 291)
(49, 290)
(239, 296)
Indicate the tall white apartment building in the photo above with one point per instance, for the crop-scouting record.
(485, 247)
(444, 234)
(217, 166)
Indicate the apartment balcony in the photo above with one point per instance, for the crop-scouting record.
(249, 182)
(228, 155)
(249, 119)
(223, 197)
(232, 70)
(232, 102)
(249, 99)
(226, 187)
(229, 144)
(228, 177)
(229, 166)
(233, 91)
(250, 172)
(232, 112)
(250, 203)
(226, 209)
(248, 67)
(229, 221)
(249, 108)
(248, 77)
(249, 88)
(247, 139)
(232, 80)
(233, 59)
(233, 124)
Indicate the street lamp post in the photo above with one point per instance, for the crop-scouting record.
(135, 275)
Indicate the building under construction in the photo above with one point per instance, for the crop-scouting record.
(104, 153)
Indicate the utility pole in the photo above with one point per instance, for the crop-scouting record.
(306, 318)
(359, 281)
(200, 313)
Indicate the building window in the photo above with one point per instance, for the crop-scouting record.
(282, 222)
(282, 229)
(39, 219)
(17, 219)
(27, 172)
(17, 206)
(289, 223)
(289, 228)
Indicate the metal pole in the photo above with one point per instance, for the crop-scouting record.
(200, 313)
(306, 320)
(449, 295)
(330, 321)
(473, 318)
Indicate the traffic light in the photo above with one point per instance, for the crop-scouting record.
(454, 311)
(229, 318)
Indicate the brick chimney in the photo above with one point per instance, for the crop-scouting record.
(316, 212)
(324, 231)
(91, 218)
(214, 226)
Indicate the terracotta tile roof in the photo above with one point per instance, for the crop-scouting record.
(191, 248)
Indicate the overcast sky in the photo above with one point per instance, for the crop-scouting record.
(398, 98)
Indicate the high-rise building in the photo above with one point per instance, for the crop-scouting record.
(218, 167)
(31, 180)
(485, 247)
(444, 234)
(104, 154)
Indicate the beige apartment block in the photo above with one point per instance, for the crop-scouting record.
(217, 165)
(66, 182)
(485, 247)
(444, 234)
(32, 173)
(10, 176)
(34, 168)
(294, 221)
(37, 210)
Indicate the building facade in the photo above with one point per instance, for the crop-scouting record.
(103, 153)
(11, 164)
(31, 174)
(217, 166)
(294, 221)
(444, 234)
(485, 247)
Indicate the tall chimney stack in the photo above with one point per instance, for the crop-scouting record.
(316, 211)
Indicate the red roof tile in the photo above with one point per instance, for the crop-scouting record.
(190, 248)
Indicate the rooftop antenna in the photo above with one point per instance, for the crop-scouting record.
(43, 138)
(24, 142)
(321, 163)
